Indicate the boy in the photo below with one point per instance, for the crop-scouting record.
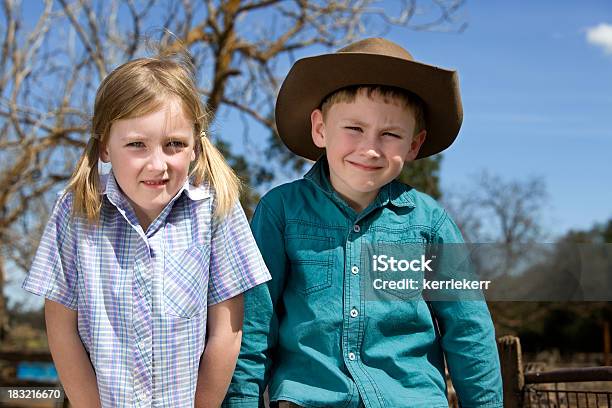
(312, 334)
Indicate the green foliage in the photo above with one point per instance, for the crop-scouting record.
(424, 175)
(563, 327)
(252, 175)
(597, 234)
(284, 158)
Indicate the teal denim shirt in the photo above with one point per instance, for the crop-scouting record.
(311, 336)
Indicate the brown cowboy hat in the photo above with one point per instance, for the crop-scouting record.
(373, 61)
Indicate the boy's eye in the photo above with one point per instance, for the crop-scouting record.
(392, 135)
(353, 128)
(135, 144)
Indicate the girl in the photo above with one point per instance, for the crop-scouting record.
(143, 270)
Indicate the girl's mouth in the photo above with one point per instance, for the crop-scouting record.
(155, 183)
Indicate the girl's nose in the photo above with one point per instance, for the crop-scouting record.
(157, 162)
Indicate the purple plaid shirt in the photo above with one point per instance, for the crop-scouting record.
(142, 296)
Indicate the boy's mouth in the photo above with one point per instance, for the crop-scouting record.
(365, 167)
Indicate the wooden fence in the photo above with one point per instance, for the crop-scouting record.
(560, 388)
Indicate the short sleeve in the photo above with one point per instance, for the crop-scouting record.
(236, 264)
(53, 273)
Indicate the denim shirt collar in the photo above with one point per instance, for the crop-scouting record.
(395, 193)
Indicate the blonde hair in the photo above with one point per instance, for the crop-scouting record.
(137, 88)
(389, 95)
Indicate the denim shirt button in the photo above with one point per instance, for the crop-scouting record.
(354, 312)
(351, 356)
(355, 269)
(356, 228)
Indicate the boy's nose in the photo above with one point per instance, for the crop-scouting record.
(370, 146)
(372, 153)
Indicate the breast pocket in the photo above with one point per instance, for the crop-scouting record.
(403, 265)
(186, 281)
(312, 262)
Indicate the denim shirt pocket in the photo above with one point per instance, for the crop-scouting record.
(403, 251)
(311, 259)
(186, 281)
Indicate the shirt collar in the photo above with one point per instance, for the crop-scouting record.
(114, 194)
(319, 175)
(112, 191)
(394, 192)
(196, 193)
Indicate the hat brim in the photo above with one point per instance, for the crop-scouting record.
(312, 79)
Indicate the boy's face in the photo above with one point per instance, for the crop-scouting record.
(150, 157)
(367, 143)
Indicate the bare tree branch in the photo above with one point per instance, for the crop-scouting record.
(94, 49)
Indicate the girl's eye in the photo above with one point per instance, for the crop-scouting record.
(135, 144)
(177, 144)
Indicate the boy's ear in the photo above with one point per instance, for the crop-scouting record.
(415, 145)
(317, 128)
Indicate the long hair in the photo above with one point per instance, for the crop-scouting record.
(137, 88)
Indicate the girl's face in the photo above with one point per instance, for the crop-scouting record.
(150, 157)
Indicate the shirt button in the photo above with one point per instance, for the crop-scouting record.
(355, 269)
(142, 396)
(351, 356)
(356, 228)
(354, 312)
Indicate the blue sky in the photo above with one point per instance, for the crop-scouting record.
(537, 101)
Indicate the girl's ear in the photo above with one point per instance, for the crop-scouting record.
(317, 126)
(104, 155)
(198, 142)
